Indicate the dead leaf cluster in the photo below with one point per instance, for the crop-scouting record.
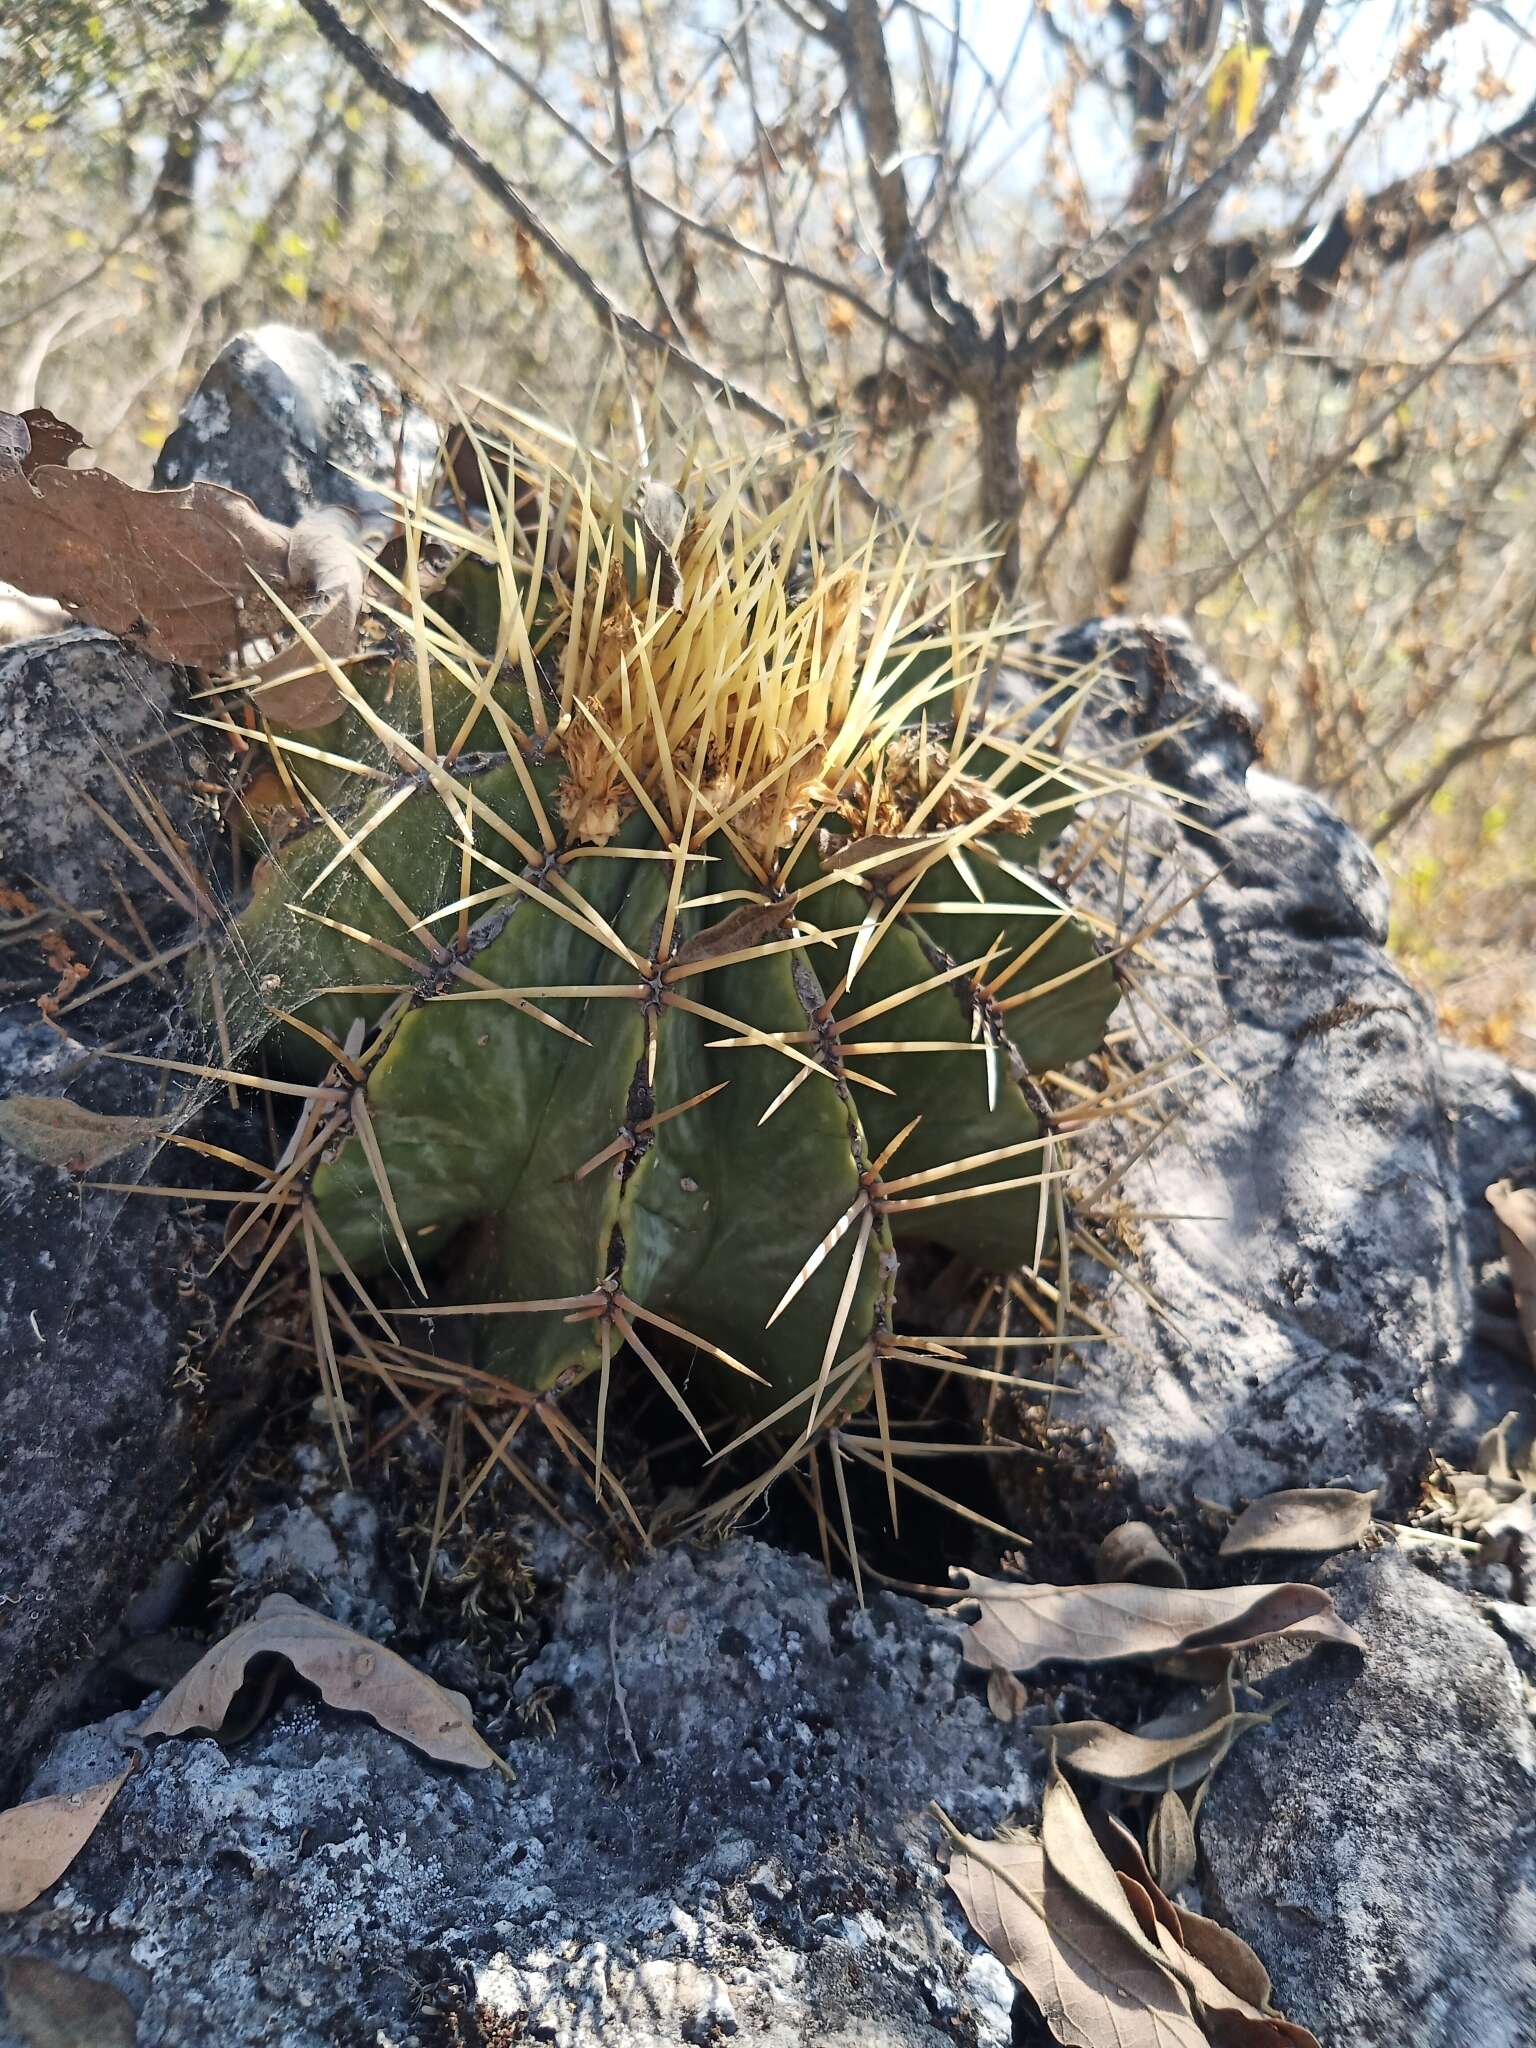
(193, 576)
(1495, 1500)
(41, 1838)
(1078, 1919)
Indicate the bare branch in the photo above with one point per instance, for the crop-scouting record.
(627, 177)
(1178, 225)
(425, 110)
(1329, 464)
(707, 230)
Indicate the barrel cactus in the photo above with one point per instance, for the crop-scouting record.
(663, 944)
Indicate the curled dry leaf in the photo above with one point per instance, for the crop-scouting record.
(661, 515)
(1135, 1553)
(293, 687)
(1110, 1961)
(1317, 1519)
(58, 1132)
(1515, 1209)
(30, 439)
(347, 1669)
(1172, 1751)
(1171, 1843)
(1005, 1696)
(192, 575)
(749, 925)
(52, 2008)
(1228, 1983)
(42, 1837)
(1021, 1627)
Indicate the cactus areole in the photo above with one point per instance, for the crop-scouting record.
(667, 929)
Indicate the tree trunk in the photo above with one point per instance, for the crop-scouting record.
(1000, 496)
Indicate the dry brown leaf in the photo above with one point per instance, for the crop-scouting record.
(1022, 1626)
(52, 2008)
(1316, 1519)
(662, 517)
(349, 1672)
(1005, 1696)
(58, 1132)
(1171, 1843)
(878, 853)
(1061, 1926)
(1134, 1552)
(751, 924)
(173, 571)
(1229, 1985)
(1515, 1209)
(30, 439)
(41, 1838)
(1172, 1751)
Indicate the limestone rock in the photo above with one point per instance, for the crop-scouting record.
(281, 418)
(1377, 1843)
(107, 1428)
(724, 1838)
(1316, 1287)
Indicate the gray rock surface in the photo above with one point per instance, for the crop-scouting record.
(73, 706)
(281, 418)
(1377, 1843)
(724, 1837)
(1493, 1113)
(1318, 1300)
(109, 1427)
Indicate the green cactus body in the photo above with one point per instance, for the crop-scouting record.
(583, 1086)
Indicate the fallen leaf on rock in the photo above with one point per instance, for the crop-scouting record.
(42, 1837)
(1515, 1209)
(1171, 1843)
(1172, 1751)
(1050, 1907)
(1317, 1519)
(1229, 1986)
(58, 1132)
(347, 1669)
(1134, 1552)
(1022, 1626)
(191, 576)
(174, 571)
(1005, 1696)
(52, 2008)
